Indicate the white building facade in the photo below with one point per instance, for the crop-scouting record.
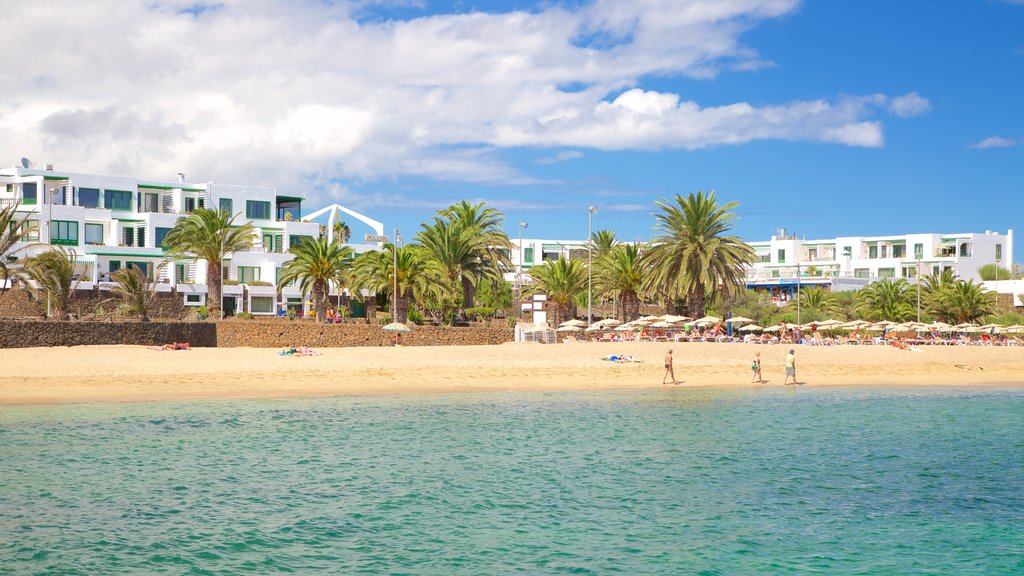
(114, 222)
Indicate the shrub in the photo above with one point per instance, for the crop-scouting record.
(245, 316)
(415, 317)
(290, 314)
(479, 313)
(384, 319)
(203, 312)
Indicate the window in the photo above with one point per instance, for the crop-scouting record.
(782, 256)
(899, 250)
(256, 210)
(128, 237)
(999, 252)
(56, 195)
(117, 200)
(150, 203)
(89, 197)
(201, 202)
(910, 272)
(93, 234)
(261, 305)
(193, 299)
(144, 266)
(847, 250)
(64, 233)
(248, 274)
(181, 273)
(764, 258)
(918, 251)
(28, 231)
(965, 250)
(28, 193)
(549, 256)
(812, 253)
(884, 251)
(190, 205)
(161, 234)
(225, 204)
(886, 272)
(872, 252)
(861, 273)
(528, 255)
(268, 242)
(115, 265)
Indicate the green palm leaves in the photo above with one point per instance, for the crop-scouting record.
(619, 272)
(963, 301)
(51, 274)
(11, 229)
(561, 280)
(136, 292)
(691, 256)
(887, 300)
(316, 263)
(377, 271)
(209, 235)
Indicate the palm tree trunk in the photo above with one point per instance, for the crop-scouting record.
(213, 292)
(467, 293)
(320, 301)
(695, 302)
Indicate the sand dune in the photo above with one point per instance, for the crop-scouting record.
(136, 373)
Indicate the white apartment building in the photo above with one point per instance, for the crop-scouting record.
(113, 222)
(534, 252)
(851, 262)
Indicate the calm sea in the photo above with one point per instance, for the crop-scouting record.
(671, 481)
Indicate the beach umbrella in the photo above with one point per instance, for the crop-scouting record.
(569, 328)
(662, 324)
(707, 320)
(573, 322)
(607, 322)
(775, 328)
(829, 322)
(397, 327)
(625, 327)
(675, 319)
(739, 320)
(750, 328)
(648, 319)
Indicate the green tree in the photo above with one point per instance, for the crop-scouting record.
(315, 265)
(375, 271)
(134, 291)
(994, 272)
(12, 230)
(602, 241)
(209, 235)
(488, 257)
(497, 295)
(887, 300)
(964, 301)
(691, 256)
(620, 273)
(817, 304)
(342, 231)
(51, 274)
(561, 280)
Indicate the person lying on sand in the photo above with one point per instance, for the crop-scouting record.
(175, 346)
(620, 359)
(303, 351)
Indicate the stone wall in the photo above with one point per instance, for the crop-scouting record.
(30, 334)
(280, 333)
(16, 303)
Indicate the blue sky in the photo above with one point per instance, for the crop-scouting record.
(826, 118)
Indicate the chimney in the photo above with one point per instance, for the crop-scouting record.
(49, 167)
(181, 177)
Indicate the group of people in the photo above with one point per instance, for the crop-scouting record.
(333, 316)
(789, 364)
(301, 351)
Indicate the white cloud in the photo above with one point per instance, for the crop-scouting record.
(909, 105)
(997, 142)
(561, 157)
(299, 94)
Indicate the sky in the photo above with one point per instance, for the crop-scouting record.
(821, 117)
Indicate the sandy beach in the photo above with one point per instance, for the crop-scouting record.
(137, 373)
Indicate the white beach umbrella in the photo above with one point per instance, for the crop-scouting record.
(625, 327)
(775, 328)
(570, 329)
(750, 328)
(573, 322)
(829, 322)
(662, 324)
(739, 320)
(676, 319)
(707, 320)
(607, 322)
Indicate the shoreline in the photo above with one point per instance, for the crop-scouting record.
(103, 374)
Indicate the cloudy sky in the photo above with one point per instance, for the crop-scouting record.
(827, 118)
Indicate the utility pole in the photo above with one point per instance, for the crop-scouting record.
(590, 264)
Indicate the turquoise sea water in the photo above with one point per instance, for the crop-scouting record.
(680, 481)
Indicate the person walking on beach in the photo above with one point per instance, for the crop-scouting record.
(669, 370)
(755, 366)
(790, 367)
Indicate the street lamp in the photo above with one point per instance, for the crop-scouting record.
(919, 289)
(394, 250)
(797, 293)
(519, 271)
(590, 264)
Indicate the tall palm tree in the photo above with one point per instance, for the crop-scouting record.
(51, 274)
(620, 273)
(491, 248)
(375, 271)
(209, 235)
(561, 280)
(887, 300)
(602, 241)
(342, 231)
(965, 301)
(315, 265)
(453, 250)
(11, 232)
(135, 291)
(691, 256)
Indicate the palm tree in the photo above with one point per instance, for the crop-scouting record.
(887, 300)
(965, 301)
(816, 303)
(691, 257)
(375, 271)
(209, 235)
(11, 232)
(561, 280)
(342, 231)
(51, 273)
(620, 273)
(489, 254)
(135, 291)
(603, 241)
(315, 264)
(453, 250)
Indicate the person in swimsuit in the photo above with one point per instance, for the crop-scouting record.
(755, 366)
(669, 370)
(790, 367)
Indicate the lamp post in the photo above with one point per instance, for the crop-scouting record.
(590, 264)
(519, 271)
(797, 293)
(394, 250)
(919, 289)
